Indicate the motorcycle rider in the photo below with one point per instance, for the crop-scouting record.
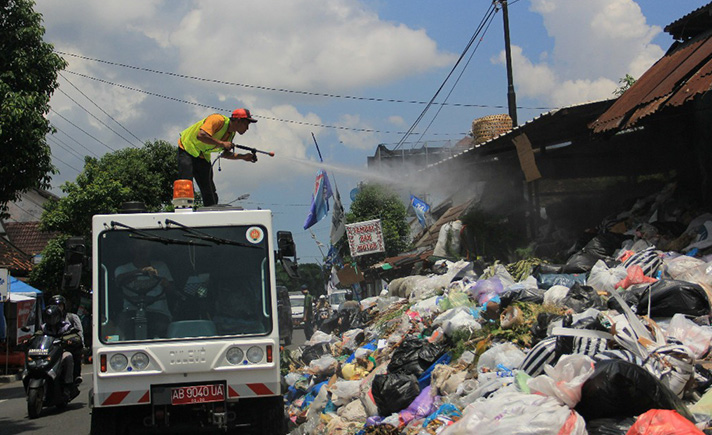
(75, 323)
(323, 310)
(56, 326)
(348, 311)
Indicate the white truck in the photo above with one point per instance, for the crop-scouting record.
(185, 332)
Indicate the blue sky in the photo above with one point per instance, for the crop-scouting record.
(313, 66)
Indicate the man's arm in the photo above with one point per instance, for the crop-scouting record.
(229, 155)
(204, 137)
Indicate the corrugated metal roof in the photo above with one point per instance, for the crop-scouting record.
(678, 77)
(691, 24)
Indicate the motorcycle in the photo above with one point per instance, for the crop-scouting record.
(42, 377)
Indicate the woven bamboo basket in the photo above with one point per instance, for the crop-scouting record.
(489, 127)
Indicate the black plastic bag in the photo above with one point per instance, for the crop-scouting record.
(609, 426)
(393, 392)
(670, 297)
(547, 268)
(605, 244)
(580, 297)
(314, 351)
(414, 356)
(580, 262)
(535, 295)
(619, 389)
(566, 279)
(405, 357)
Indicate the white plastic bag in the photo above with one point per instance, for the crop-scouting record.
(505, 354)
(564, 381)
(518, 413)
(325, 365)
(603, 278)
(697, 338)
(320, 337)
(555, 295)
(343, 392)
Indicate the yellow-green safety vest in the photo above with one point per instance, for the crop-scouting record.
(194, 147)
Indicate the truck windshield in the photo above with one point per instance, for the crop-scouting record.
(167, 284)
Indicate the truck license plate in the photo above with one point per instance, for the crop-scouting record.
(198, 394)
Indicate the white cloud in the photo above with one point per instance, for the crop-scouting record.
(396, 120)
(595, 44)
(355, 138)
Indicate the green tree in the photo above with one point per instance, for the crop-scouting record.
(625, 83)
(48, 274)
(375, 201)
(312, 275)
(28, 77)
(134, 174)
(131, 174)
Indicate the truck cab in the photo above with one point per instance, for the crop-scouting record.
(185, 322)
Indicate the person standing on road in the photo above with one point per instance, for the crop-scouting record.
(308, 312)
(197, 142)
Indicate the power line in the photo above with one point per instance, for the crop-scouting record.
(491, 16)
(491, 10)
(337, 127)
(62, 161)
(82, 130)
(290, 91)
(69, 150)
(102, 110)
(93, 116)
(75, 141)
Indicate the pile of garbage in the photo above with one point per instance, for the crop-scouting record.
(615, 341)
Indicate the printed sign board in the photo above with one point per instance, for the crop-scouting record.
(25, 317)
(365, 237)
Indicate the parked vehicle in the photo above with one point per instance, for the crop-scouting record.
(297, 301)
(284, 309)
(337, 298)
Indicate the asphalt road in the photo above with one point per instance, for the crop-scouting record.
(74, 419)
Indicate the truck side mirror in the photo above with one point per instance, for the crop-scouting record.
(285, 244)
(74, 261)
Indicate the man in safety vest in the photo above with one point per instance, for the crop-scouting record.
(197, 142)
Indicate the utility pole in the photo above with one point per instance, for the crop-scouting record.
(511, 96)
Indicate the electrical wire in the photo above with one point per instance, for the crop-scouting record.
(81, 129)
(464, 68)
(102, 110)
(222, 109)
(75, 141)
(99, 120)
(290, 91)
(491, 10)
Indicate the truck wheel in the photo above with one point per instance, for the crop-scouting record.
(103, 421)
(272, 420)
(35, 398)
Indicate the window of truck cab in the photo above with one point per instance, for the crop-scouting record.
(173, 283)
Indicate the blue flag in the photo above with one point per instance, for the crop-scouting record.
(420, 208)
(320, 200)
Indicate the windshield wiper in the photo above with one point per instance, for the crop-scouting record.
(143, 235)
(192, 232)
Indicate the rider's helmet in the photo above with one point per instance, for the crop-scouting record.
(61, 302)
(322, 298)
(52, 315)
(349, 295)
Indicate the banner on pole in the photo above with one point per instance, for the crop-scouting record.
(365, 237)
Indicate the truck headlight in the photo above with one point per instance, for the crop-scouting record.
(255, 354)
(118, 362)
(139, 361)
(235, 355)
